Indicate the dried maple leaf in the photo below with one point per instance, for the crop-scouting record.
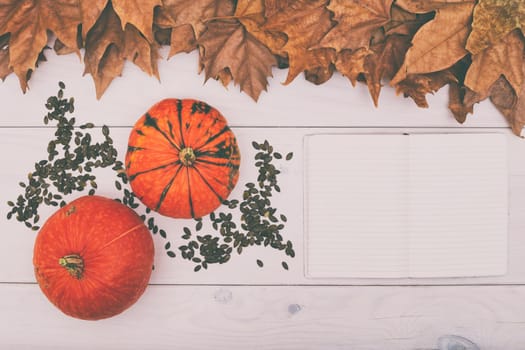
(251, 13)
(227, 45)
(461, 99)
(424, 6)
(108, 46)
(90, 11)
(356, 21)
(273, 7)
(140, 51)
(62, 49)
(189, 19)
(417, 86)
(28, 22)
(351, 64)
(5, 70)
(458, 102)
(503, 58)
(493, 20)
(386, 58)
(440, 43)
(403, 22)
(305, 23)
(510, 103)
(139, 13)
(321, 65)
(386, 53)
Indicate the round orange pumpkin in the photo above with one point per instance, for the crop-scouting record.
(93, 258)
(182, 159)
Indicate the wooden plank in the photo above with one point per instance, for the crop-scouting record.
(26, 145)
(334, 103)
(229, 317)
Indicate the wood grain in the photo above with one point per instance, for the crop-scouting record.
(229, 317)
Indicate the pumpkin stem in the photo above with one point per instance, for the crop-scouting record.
(187, 156)
(74, 264)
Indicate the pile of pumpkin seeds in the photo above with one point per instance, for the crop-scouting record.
(72, 157)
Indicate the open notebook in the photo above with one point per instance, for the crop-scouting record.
(418, 205)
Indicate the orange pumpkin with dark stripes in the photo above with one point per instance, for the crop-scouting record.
(182, 159)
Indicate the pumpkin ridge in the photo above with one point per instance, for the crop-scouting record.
(212, 154)
(150, 121)
(125, 233)
(190, 201)
(166, 189)
(227, 164)
(199, 106)
(215, 136)
(179, 117)
(209, 185)
(170, 128)
(133, 176)
(135, 148)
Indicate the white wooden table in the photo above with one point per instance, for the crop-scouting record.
(239, 305)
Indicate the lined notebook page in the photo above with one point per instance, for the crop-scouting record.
(458, 205)
(356, 194)
(405, 205)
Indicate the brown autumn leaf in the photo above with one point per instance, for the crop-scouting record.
(305, 23)
(62, 49)
(417, 86)
(182, 40)
(461, 99)
(503, 58)
(501, 93)
(321, 65)
(230, 51)
(188, 20)
(273, 7)
(510, 103)
(90, 11)
(356, 21)
(108, 46)
(493, 20)
(440, 43)
(387, 51)
(138, 13)
(424, 6)
(351, 64)
(5, 70)
(251, 13)
(386, 58)
(140, 51)
(28, 23)
(459, 102)
(403, 22)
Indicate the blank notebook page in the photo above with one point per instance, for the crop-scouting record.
(428, 205)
